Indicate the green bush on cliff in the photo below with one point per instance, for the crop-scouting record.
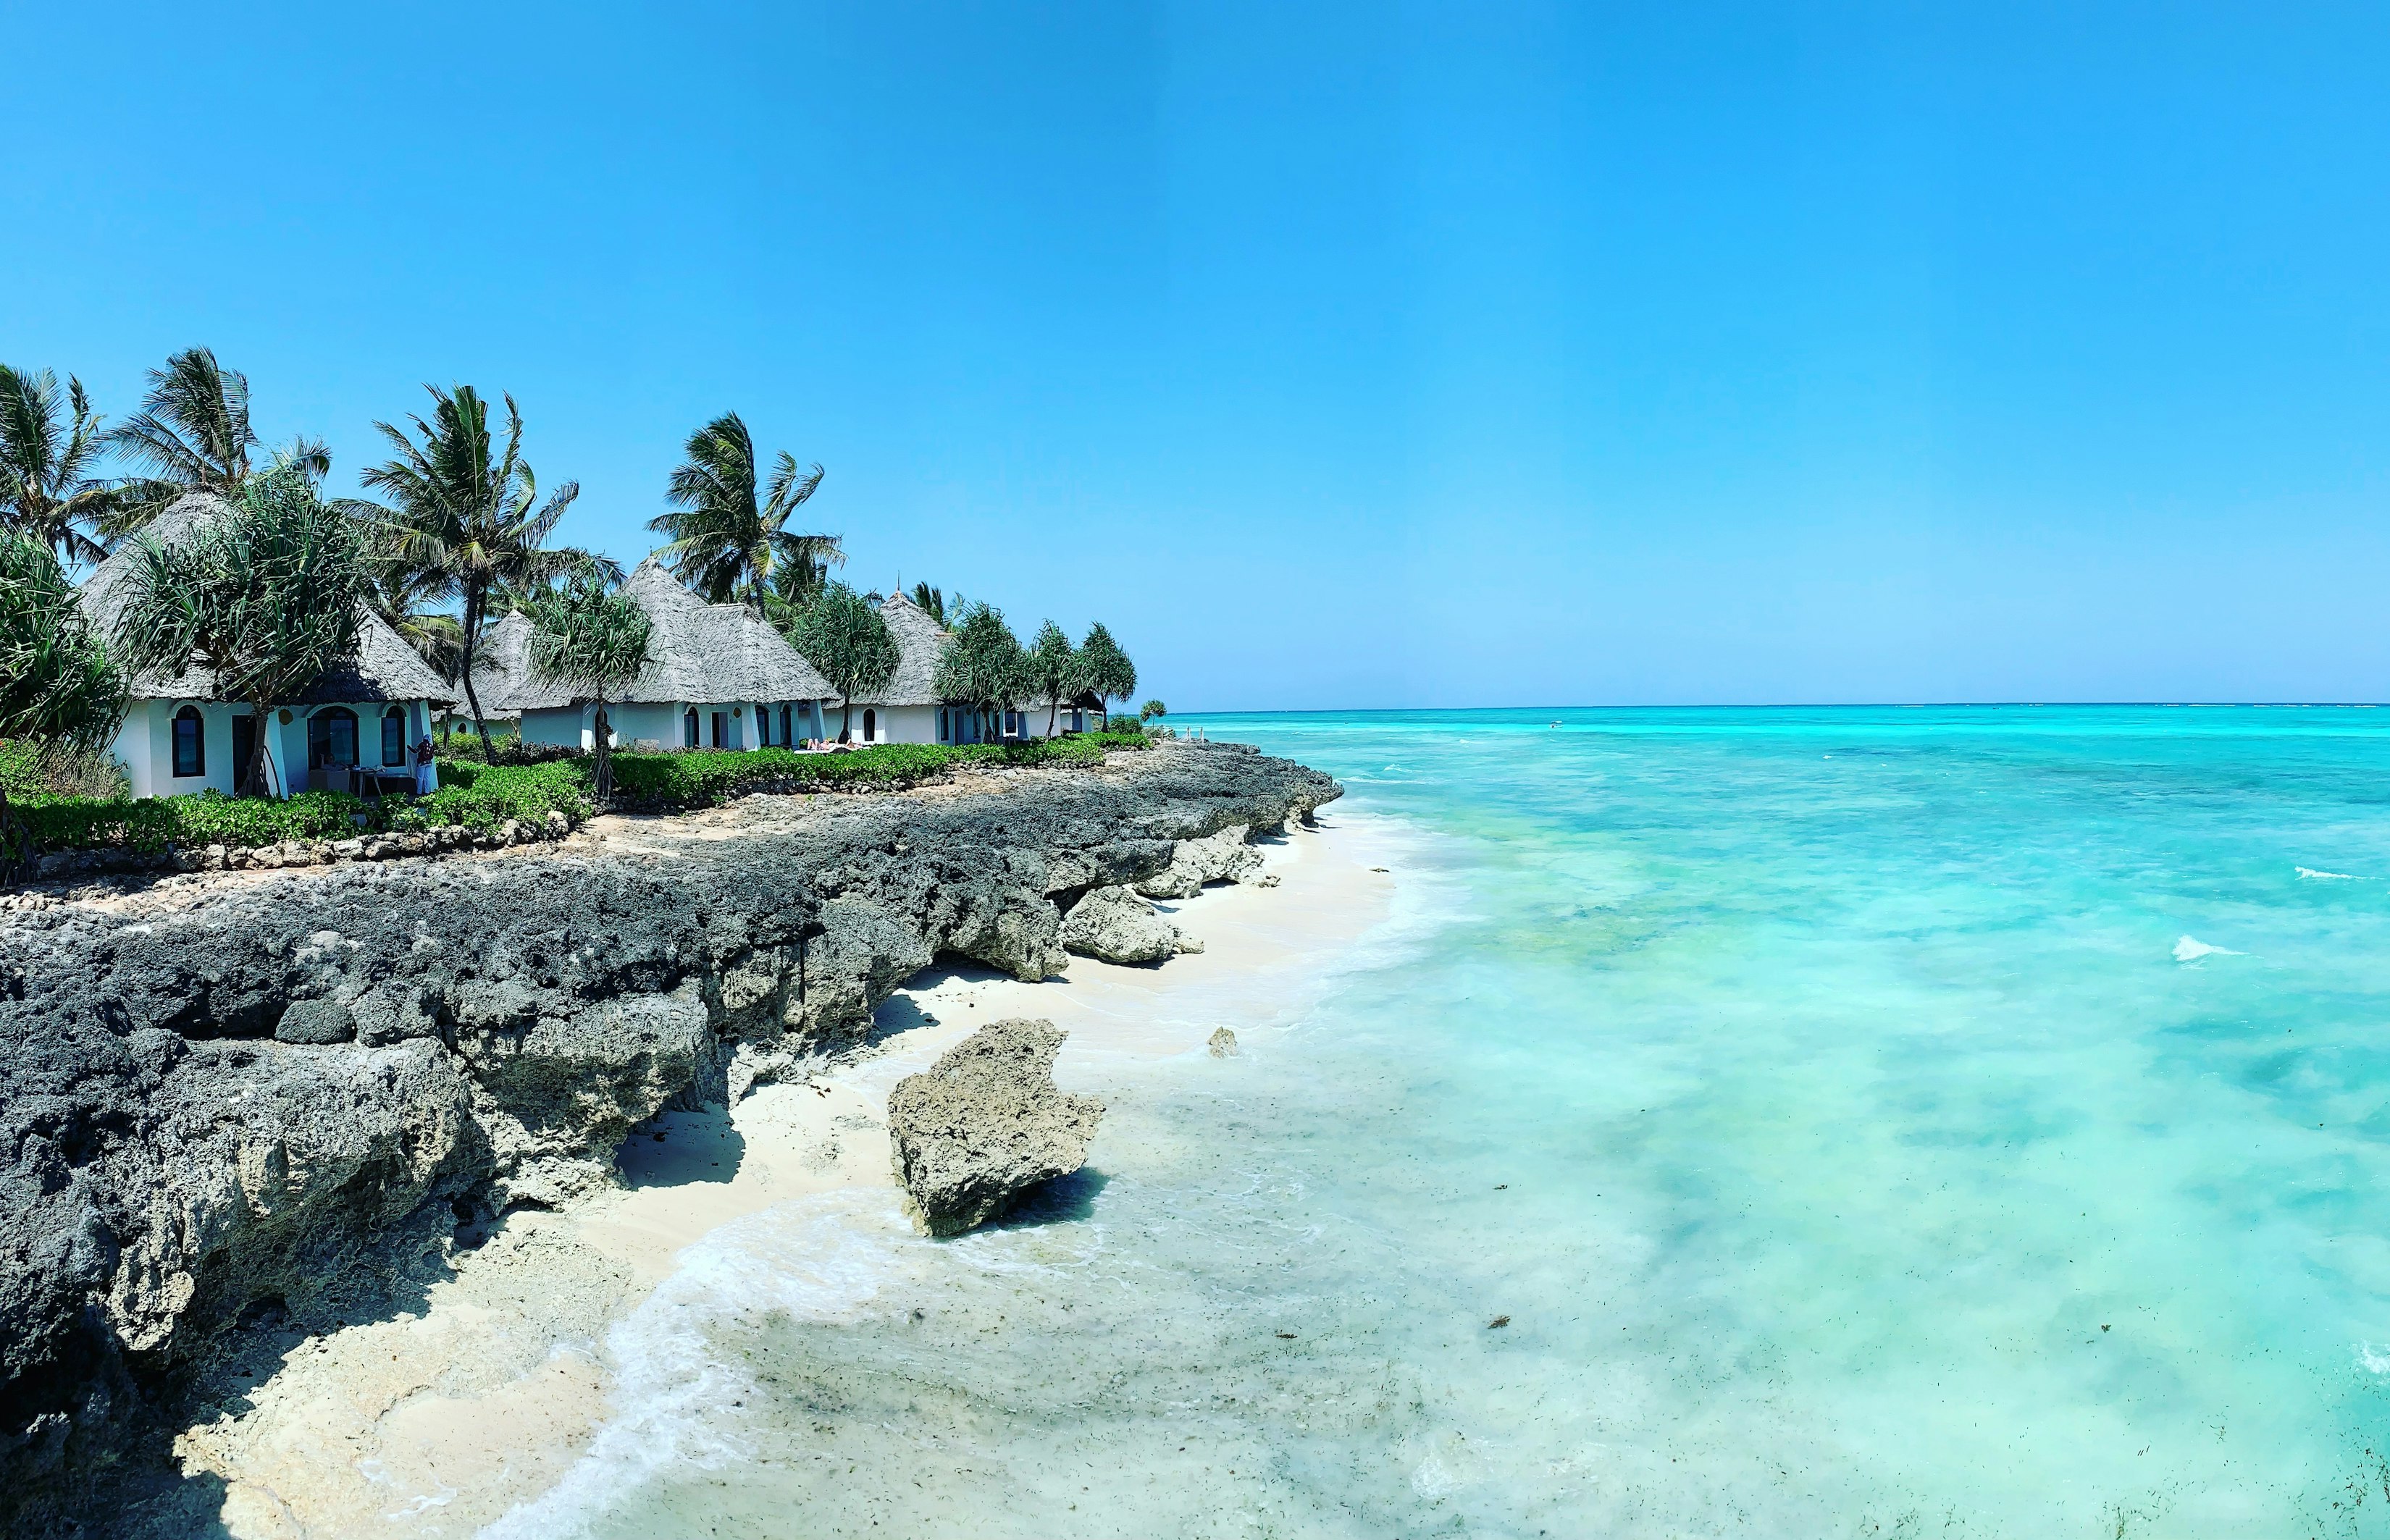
(481, 796)
(702, 778)
(150, 824)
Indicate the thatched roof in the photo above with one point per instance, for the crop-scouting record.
(382, 668)
(501, 656)
(698, 652)
(919, 643)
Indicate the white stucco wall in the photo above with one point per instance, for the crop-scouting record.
(145, 744)
(662, 726)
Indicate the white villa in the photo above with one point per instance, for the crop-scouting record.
(909, 710)
(718, 676)
(357, 719)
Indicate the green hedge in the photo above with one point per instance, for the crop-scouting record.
(700, 777)
(483, 796)
(209, 818)
(480, 801)
(480, 795)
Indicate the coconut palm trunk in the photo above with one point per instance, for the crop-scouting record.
(476, 598)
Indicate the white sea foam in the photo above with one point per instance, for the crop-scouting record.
(676, 1405)
(2191, 949)
(2314, 876)
(2371, 1361)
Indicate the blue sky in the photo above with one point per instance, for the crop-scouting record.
(1335, 357)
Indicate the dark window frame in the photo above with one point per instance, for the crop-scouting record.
(198, 741)
(319, 738)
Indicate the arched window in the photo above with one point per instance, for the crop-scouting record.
(393, 735)
(870, 725)
(688, 729)
(332, 737)
(190, 742)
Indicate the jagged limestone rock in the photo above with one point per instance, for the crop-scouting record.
(1225, 856)
(1115, 925)
(984, 1124)
(1224, 1043)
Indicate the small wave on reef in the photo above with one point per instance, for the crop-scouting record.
(2191, 949)
(676, 1403)
(2310, 874)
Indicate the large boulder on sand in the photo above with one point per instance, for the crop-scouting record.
(1116, 926)
(1228, 857)
(985, 1123)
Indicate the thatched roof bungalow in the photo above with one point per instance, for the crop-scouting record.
(910, 710)
(718, 676)
(365, 711)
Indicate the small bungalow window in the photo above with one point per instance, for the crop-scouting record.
(786, 741)
(689, 727)
(190, 742)
(332, 737)
(943, 733)
(870, 725)
(393, 735)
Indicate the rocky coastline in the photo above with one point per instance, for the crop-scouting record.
(264, 1098)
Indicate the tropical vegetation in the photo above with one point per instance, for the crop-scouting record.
(589, 637)
(57, 682)
(726, 541)
(49, 444)
(983, 667)
(937, 605)
(193, 434)
(252, 608)
(464, 518)
(847, 640)
(1055, 671)
(1106, 669)
(263, 601)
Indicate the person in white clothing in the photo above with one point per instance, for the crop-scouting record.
(426, 772)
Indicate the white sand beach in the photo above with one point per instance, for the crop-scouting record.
(438, 1422)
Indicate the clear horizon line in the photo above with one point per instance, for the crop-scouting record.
(1803, 706)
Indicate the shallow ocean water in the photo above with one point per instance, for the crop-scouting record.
(1869, 1122)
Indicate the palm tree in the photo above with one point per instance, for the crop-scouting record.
(938, 604)
(465, 516)
(192, 434)
(406, 600)
(44, 494)
(725, 544)
(587, 636)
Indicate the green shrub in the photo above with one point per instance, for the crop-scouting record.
(149, 824)
(480, 796)
(700, 778)
(483, 796)
(32, 767)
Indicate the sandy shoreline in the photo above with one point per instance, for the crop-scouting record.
(438, 1421)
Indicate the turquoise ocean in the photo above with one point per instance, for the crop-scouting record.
(1871, 1122)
